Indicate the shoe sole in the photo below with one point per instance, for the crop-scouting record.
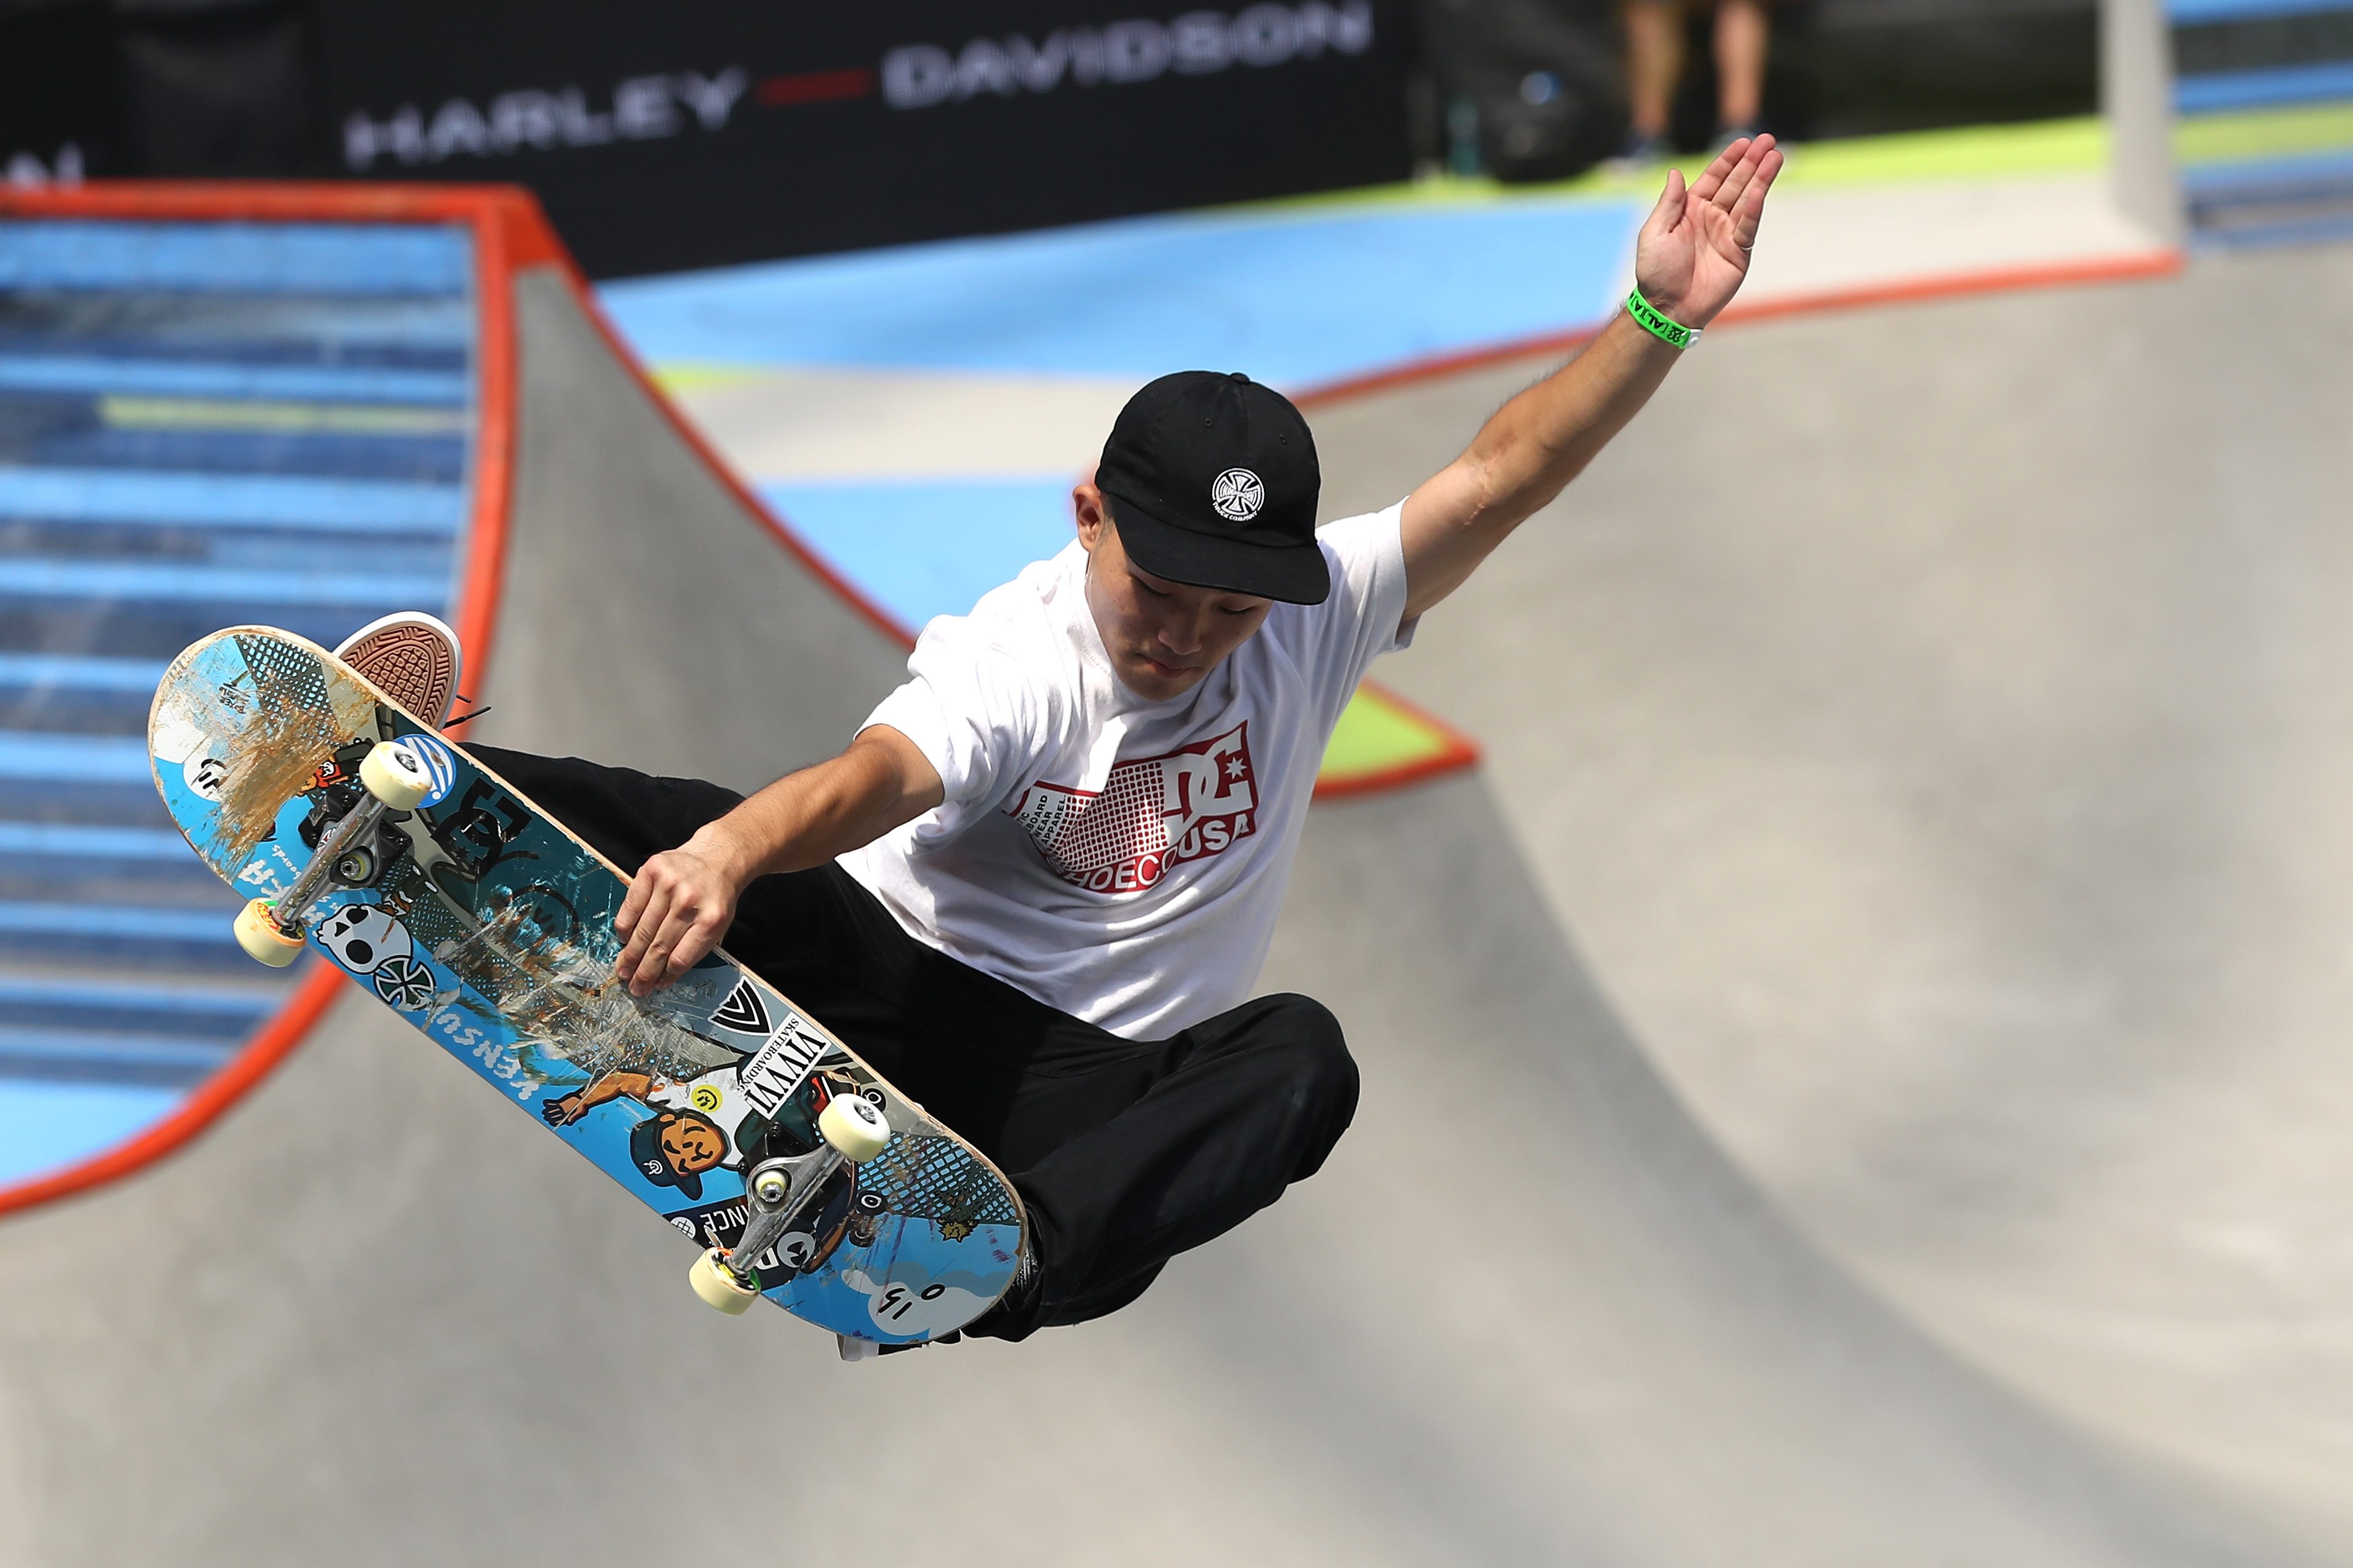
(411, 665)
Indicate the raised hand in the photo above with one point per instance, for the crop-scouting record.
(1694, 249)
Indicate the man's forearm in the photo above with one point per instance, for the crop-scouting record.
(1540, 440)
(806, 818)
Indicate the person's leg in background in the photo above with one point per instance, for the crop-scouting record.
(1743, 31)
(1654, 63)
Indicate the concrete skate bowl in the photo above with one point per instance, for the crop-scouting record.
(1529, 1312)
(1933, 722)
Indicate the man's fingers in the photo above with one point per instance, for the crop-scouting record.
(676, 912)
(700, 937)
(641, 888)
(668, 954)
(1670, 210)
(1738, 179)
(1749, 216)
(1712, 178)
(651, 894)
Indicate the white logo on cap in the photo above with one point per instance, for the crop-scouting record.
(1237, 494)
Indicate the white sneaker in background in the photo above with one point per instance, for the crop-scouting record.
(413, 657)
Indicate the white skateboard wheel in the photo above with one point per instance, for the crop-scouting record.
(258, 933)
(396, 776)
(852, 1125)
(717, 1285)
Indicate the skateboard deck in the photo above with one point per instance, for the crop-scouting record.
(488, 926)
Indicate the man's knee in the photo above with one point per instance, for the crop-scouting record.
(1319, 1074)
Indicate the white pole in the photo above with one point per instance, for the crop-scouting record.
(2136, 99)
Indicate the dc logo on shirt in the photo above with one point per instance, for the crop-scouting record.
(1237, 494)
(1152, 815)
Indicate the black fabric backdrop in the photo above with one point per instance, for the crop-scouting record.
(663, 136)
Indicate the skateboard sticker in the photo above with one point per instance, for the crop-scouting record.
(743, 1012)
(778, 1068)
(362, 938)
(920, 1306)
(207, 776)
(440, 767)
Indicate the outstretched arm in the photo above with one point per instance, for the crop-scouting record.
(681, 902)
(1689, 261)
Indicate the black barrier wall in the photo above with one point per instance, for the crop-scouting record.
(664, 136)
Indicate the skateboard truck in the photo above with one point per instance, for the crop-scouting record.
(395, 779)
(854, 1132)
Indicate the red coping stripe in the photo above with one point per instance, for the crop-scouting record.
(1455, 752)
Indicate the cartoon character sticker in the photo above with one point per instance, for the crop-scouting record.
(711, 1122)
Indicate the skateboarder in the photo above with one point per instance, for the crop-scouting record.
(1035, 890)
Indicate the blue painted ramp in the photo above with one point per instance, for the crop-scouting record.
(200, 424)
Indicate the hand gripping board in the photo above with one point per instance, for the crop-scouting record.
(488, 926)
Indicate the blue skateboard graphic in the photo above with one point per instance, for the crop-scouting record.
(365, 837)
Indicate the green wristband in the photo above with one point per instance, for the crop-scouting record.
(1675, 334)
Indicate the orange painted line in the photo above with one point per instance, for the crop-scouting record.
(1441, 365)
(272, 1045)
(1990, 280)
(1456, 750)
(783, 532)
(496, 358)
(2049, 275)
(1459, 755)
(293, 201)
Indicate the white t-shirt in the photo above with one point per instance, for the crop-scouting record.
(1119, 859)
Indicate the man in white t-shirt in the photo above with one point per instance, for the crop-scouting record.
(1034, 891)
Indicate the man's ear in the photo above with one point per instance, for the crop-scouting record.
(1087, 506)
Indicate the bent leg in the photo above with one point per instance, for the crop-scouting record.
(624, 816)
(1126, 1152)
(1203, 1130)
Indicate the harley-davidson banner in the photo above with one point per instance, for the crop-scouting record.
(666, 137)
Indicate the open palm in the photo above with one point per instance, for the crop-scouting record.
(1694, 249)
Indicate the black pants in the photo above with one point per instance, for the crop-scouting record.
(1125, 1152)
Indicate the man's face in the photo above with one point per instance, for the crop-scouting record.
(692, 1146)
(1163, 637)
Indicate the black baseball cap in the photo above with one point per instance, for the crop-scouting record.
(1214, 481)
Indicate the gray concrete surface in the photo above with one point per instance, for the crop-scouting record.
(1529, 1314)
(1936, 723)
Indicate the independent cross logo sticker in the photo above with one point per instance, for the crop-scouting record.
(1237, 494)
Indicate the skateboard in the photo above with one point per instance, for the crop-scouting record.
(361, 835)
